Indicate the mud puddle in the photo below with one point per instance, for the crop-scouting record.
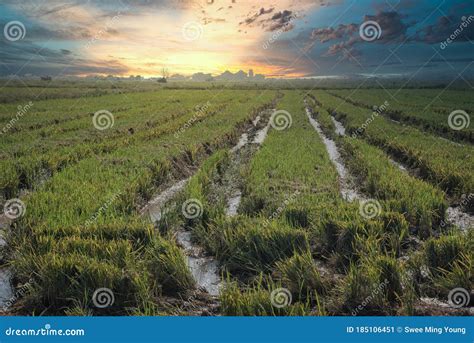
(204, 269)
(233, 203)
(156, 207)
(340, 129)
(456, 216)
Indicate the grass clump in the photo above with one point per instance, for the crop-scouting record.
(371, 287)
(442, 252)
(168, 268)
(250, 244)
(257, 301)
(422, 204)
(300, 275)
(65, 279)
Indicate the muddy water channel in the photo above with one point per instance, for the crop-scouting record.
(454, 214)
(6, 289)
(204, 268)
(348, 191)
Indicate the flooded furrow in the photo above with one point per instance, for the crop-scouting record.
(241, 154)
(233, 204)
(204, 268)
(339, 128)
(455, 215)
(157, 205)
(6, 288)
(348, 192)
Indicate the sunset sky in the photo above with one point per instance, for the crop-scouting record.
(284, 38)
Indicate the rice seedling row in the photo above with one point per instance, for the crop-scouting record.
(102, 196)
(297, 246)
(379, 177)
(445, 164)
(22, 170)
(428, 110)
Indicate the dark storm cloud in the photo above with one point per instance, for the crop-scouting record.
(329, 33)
(392, 29)
(281, 21)
(30, 58)
(462, 28)
(254, 17)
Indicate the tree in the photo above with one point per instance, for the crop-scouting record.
(164, 75)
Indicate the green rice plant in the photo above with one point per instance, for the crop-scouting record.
(443, 252)
(371, 287)
(167, 265)
(300, 275)
(460, 274)
(426, 109)
(199, 187)
(440, 162)
(423, 205)
(117, 252)
(256, 301)
(395, 231)
(340, 240)
(62, 279)
(137, 232)
(248, 245)
(297, 217)
(94, 202)
(9, 179)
